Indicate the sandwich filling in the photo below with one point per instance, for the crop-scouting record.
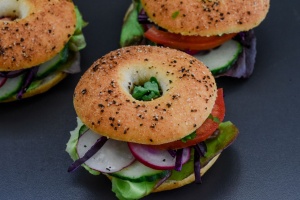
(230, 55)
(136, 170)
(14, 84)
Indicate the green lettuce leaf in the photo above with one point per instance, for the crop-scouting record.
(132, 31)
(189, 137)
(80, 23)
(228, 133)
(77, 41)
(126, 190)
(149, 91)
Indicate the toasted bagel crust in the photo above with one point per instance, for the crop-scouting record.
(103, 99)
(41, 30)
(207, 17)
(170, 185)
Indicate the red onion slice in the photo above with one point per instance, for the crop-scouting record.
(2, 81)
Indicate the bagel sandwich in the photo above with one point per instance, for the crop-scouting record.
(219, 33)
(150, 119)
(39, 45)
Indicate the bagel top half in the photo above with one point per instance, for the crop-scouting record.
(103, 100)
(206, 17)
(39, 30)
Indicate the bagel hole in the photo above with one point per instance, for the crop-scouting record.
(13, 10)
(140, 77)
(144, 91)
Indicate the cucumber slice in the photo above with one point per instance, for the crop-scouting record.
(137, 172)
(11, 87)
(221, 59)
(52, 65)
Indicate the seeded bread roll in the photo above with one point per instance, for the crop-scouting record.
(104, 103)
(36, 32)
(206, 17)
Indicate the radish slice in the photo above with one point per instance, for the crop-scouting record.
(156, 158)
(112, 157)
(94, 149)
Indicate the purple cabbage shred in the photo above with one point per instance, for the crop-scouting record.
(143, 18)
(178, 161)
(2, 82)
(163, 179)
(200, 150)
(172, 152)
(197, 167)
(12, 74)
(193, 52)
(29, 78)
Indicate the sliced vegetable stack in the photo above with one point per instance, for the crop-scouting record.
(145, 167)
(229, 50)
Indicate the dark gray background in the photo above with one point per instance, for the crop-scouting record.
(263, 163)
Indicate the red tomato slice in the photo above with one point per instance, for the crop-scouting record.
(205, 130)
(182, 42)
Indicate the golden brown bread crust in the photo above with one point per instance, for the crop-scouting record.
(103, 101)
(42, 29)
(206, 17)
(47, 84)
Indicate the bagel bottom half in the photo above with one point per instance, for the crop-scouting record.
(46, 84)
(43, 85)
(171, 184)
